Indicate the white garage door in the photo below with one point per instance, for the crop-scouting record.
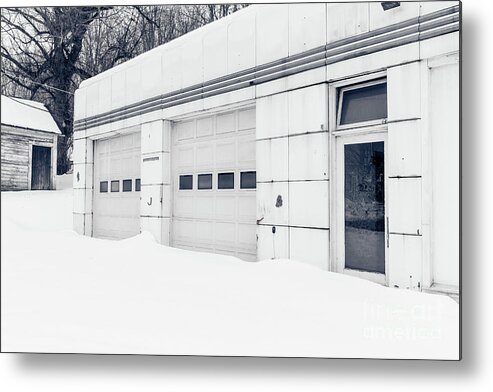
(214, 181)
(116, 208)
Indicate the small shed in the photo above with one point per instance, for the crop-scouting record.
(29, 137)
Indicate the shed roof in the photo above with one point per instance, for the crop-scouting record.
(23, 113)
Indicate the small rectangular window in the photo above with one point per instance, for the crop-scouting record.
(362, 103)
(103, 186)
(204, 181)
(127, 186)
(115, 186)
(186, 182)
(226, 181)
(137, 185)
(248, 180)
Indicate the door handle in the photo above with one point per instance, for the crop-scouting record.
(150, 201)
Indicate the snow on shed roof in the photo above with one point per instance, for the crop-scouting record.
(27, 114)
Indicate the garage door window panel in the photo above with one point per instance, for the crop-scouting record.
(127, 186)
(248, 180)
(137, 185)
(186, 182)
(204, 181)
(226, 181)
(103, 186)
(115, 186)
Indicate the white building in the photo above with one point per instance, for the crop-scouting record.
(325, 133)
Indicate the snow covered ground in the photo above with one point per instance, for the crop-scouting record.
(62, 292)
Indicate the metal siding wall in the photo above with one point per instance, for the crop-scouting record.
(292, 171)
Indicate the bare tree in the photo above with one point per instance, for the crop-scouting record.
(40, 51)
(47, 51)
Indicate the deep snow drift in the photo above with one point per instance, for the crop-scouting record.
(62, 292)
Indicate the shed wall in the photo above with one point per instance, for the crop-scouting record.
(16, 145)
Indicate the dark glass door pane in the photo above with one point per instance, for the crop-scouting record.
(364, 207)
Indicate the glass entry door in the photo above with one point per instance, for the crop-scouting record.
(361, 206)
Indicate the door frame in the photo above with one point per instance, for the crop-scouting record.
(369, 129)
(367, 135)
(52, 147)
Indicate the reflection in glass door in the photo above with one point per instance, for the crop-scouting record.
(364, 207)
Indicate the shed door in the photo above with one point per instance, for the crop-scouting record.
(214, 182)
(116, 212)
(41, 168)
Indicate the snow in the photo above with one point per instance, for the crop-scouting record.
(62, 292)
(27, 114)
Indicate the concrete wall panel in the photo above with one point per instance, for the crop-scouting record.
(92, 100)
(244, 94)
(380, 18)
(308, 109)
(310, 246)
(118, 89)
(307, 27)
(272, 245)
(444, 44)
(272, 32)
(191, 66)
(405, 268)
(272, 159)
(155, 169)
(404, 92)
(104, 104)
(241, 44)
(272, 203)
(272, 116)
(404, 151)
(306, 78)
(172, 69)
(374, 62)
(405, 205)
(309, 157)
(426, 7)
(215, 43)
(150, 200)
(152, 76)
(309, 204)
(346, 20)
(155, 137)
(83, 175)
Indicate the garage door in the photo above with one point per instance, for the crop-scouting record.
(116, 208)
(214, 181)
